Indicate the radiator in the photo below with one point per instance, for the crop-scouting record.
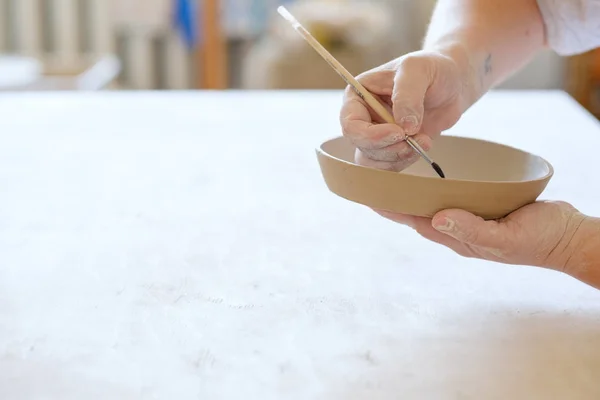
(71, 34)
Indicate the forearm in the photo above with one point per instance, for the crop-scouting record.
(489, 39)
(582, 253)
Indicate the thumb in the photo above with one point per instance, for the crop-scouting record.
(470, 229)
(411, 81)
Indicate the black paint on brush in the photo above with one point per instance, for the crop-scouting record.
(438, 170)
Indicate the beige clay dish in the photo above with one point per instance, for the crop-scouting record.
(488, 179)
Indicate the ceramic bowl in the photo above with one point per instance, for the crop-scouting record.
(485, 178)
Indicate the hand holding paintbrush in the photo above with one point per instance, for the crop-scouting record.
(358, 88)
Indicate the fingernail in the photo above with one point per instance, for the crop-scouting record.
(447, 225)
(394, 138)
(409, 124)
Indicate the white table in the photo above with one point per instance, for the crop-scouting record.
(184, 246)
(18, 71)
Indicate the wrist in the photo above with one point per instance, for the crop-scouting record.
(581, 258)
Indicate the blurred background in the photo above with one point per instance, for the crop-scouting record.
(228, 44)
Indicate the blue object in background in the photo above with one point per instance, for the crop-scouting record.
(240, 18)
(185, 20)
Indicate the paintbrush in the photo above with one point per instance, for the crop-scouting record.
(351, 81)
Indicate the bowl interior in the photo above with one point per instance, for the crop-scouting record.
(464, 159)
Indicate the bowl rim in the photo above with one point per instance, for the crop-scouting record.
(545, 177)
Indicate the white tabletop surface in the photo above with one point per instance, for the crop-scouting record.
(184, 246)
(18, 71)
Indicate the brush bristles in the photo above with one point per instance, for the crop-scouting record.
(437, 169)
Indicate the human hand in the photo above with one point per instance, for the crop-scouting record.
(551, 235)
(423, 91)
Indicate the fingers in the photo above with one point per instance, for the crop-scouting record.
(398, 152)
(396, 157)
(359, 127)
(411, 81)
(470, 229)
(420, 224)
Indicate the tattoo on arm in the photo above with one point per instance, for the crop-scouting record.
(487, 65)
(485, 71)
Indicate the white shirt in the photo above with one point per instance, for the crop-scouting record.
(573, 26)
